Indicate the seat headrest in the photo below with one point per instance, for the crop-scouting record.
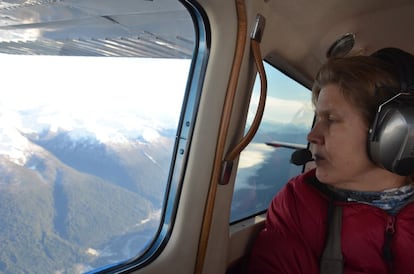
(403, 64)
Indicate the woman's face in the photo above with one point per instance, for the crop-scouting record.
(339, 140)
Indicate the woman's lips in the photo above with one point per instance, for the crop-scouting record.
(318, 158)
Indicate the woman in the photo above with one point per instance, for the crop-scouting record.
(376, 228)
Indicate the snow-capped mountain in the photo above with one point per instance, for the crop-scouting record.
(60, 185)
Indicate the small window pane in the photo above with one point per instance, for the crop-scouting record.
(89, 114)
(264, 169)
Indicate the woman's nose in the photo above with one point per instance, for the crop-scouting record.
(315, 136)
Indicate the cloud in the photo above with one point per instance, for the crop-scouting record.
(254, 155)
(284, 111)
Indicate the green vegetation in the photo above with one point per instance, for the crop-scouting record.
(48, 225)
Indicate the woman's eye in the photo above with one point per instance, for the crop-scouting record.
(326, 119)
(330, 118)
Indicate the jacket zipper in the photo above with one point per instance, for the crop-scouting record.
(387, 249)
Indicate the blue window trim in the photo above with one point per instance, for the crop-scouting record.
(182, 144)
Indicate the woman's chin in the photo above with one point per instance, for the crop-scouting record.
(322, 174)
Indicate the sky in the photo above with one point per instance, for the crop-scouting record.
(285, 97)
(92, 92)
(80, 81)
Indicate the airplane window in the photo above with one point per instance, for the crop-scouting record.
(91, 109)
(264, 169)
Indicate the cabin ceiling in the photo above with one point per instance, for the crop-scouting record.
(301, 31)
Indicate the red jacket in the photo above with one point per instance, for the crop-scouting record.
(294, 235)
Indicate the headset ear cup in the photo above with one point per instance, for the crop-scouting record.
(374, 147)
(392, 139)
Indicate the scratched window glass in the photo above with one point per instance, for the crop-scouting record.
(91, 99)
(264, 165)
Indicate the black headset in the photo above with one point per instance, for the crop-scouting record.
(391, 136)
